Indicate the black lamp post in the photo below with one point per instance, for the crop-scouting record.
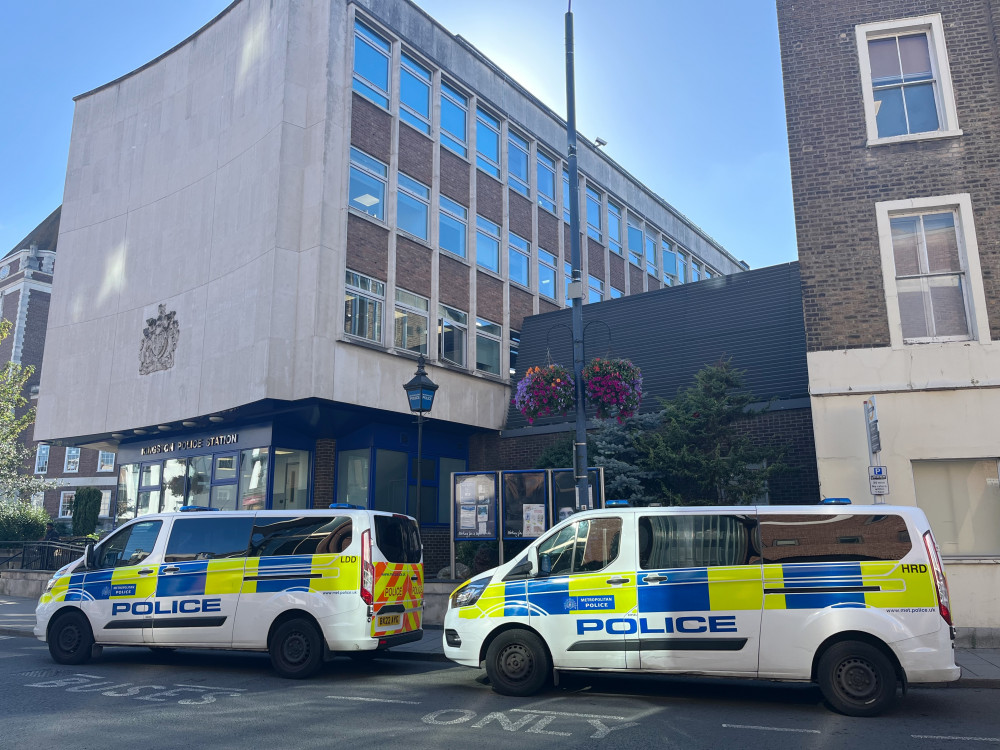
(420, 394)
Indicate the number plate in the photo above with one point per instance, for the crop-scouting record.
(386, 621)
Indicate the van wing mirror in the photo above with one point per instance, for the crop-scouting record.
(89, 557)
(545, 564)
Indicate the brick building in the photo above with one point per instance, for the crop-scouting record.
(25, 289)
(279, 215)
(893, 112)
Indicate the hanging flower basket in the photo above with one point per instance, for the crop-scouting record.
(614, 387)
(544, 391)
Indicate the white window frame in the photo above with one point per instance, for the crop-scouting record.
(519, 247)
(407, 114)
(372, 42)
(513, 347)
(412, 304)
(637, 259)
(407, 187)
(968, 248)
(446, 208)
(944, 92)
(71, 466)
(38, 500)
(490, 231)
(373, 294)
(42, 465)
(595, 197)
(517, 142)
(615, 239)
(459, 321)
(486, 329)
(105, 510)
(102, 461)
(545, 162)
(448, 139)
(548, 261)
(367, 169)
(594, 286)
(65, 497)
(492, 124)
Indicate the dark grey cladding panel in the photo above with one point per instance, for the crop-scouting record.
(753, 318)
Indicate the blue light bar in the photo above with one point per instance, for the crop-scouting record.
(195, 508)
(835, 501)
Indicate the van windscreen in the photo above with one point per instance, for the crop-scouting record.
(398, 538)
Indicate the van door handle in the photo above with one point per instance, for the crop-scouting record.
(617, 580)
(171, 569)
(655, 579)
(145, 571)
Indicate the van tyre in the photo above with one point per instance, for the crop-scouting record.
(71, 639)
(517, 663)
(296, 649)
(857, 679)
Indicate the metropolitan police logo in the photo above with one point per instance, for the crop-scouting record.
(106, 592)
(159, 342)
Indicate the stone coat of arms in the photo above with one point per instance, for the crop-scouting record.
(159, 342)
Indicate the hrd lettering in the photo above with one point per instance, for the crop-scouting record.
(184, 606)
(686, 624)
(914, 568)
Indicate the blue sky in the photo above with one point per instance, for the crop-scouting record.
(688, 95)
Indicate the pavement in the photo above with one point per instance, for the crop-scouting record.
(980, 666)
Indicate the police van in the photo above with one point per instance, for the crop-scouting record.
(301, 585)
(853, 598)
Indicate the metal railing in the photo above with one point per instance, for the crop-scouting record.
(37, 555)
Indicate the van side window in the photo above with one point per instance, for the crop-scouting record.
(398, 538)
(300, 535)
(832, 537)
(583, 547)
(693, 541)
(208, 538)
(130, 546)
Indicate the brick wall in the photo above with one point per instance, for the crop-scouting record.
(455, 177)
(489, 197)
(616, 268)
(837, 178)
(489, 297)
(521, 306)
(519, 211)
(323, 472)
(792, 428)
(595, 258)
(367, 248)
(10, 304)
(635, 279)
(454, 286)
(437, 549)
(548, 232)
(413, 266)
(416, 154)
(34, 333)
(371, 128)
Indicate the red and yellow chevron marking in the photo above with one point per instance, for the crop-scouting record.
(398, 584)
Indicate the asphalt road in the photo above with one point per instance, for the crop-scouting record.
(134, 698)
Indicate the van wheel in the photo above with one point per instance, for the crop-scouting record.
(857, 679)
(517, 663)
(296, 649)
(71, 639)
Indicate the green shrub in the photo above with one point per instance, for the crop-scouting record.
(21, 522)
(86, 507)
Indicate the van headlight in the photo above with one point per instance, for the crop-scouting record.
(50, 584)
(469, 594)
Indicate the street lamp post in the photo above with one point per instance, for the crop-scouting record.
(420, 394)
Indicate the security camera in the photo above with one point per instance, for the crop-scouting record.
(600, 142)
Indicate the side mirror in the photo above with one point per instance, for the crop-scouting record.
(545, 564)
(89, 558)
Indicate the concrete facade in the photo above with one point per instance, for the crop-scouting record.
(937, 395)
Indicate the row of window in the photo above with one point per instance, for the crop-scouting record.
(364, 301)
(71, 464)
(372, 60)
(66, 503)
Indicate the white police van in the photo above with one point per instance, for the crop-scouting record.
(851, 597)
(301, 585)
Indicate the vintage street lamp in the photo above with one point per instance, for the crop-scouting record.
(420, 393)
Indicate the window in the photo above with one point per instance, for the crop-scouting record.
(593, 214)
(669, 261)
(616, 293)
(694, 270)
(517, 163)
(546, 274)
(353, 468)
(634, 243)
(454, 113)
(253, 478)
(105, 461)
(366, 191)
(363, 307)
(487, 244)
(566, 197)
(72, 463)
(930, 270)
(38, 500)
(412, 206)
(568, 274)
(411, 321)
(515, 344)
(595, 289)
(130, 546)
(105, 509)
(519, 259)
(962, 501)
(843, 537)
(66, 504)
(583, 547)
(693, 541)
(41, 459)
(208, 539)
(452, 329)
(414, 94)
(906, 80)
(291, 479)
(487, 143)
(650, 253)
(614, 228)
(303, 535)
(398, 539)
(371, 65)
(452, 227)
(681, 265)
(488, 346)
(546, 174)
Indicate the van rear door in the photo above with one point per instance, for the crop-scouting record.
(398, 592)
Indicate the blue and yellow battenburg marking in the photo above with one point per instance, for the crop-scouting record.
(727, 589)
